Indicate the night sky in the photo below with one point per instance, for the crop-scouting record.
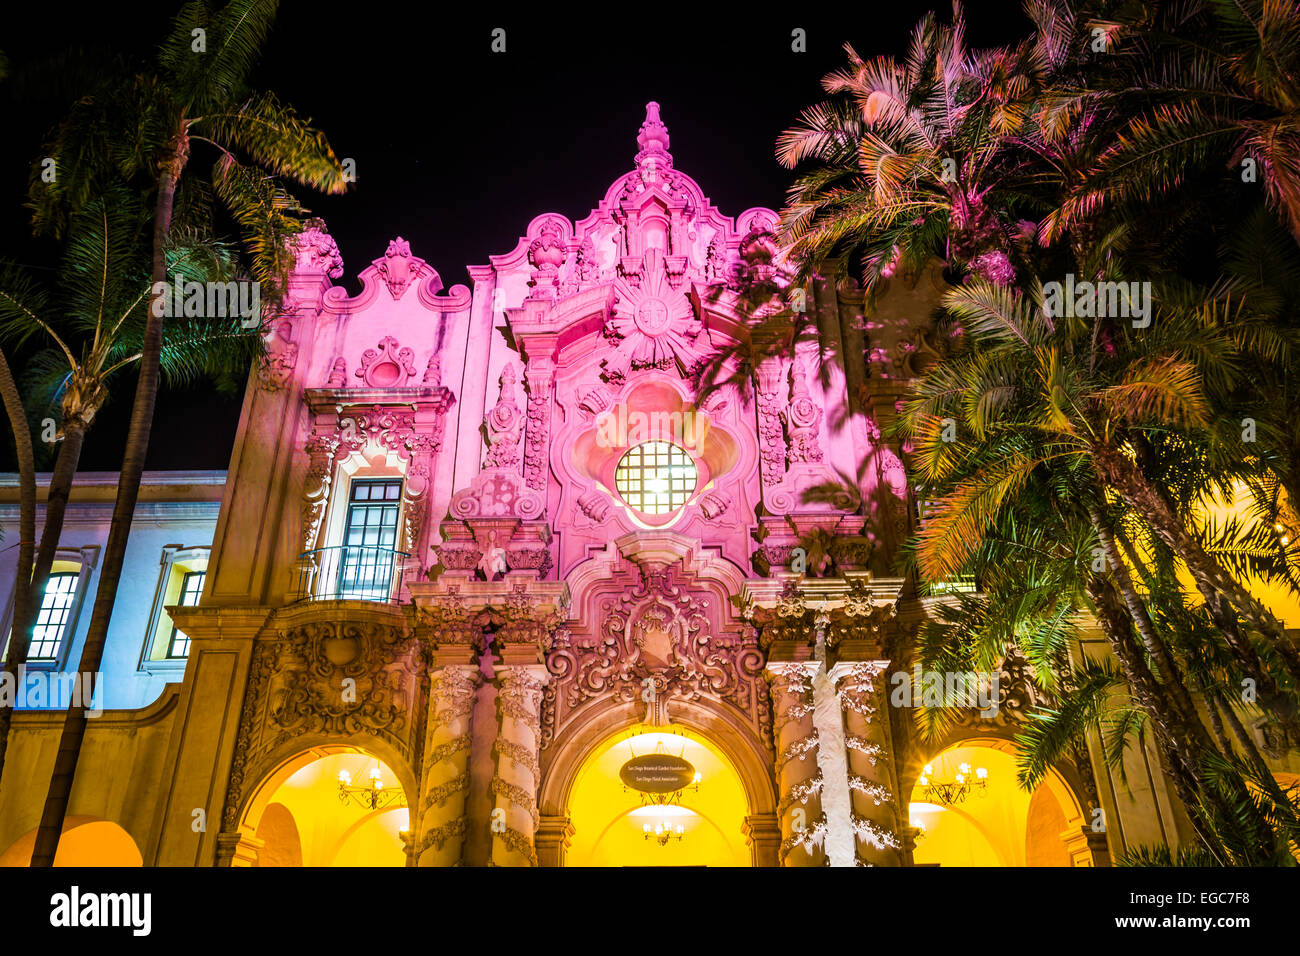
(456, 147)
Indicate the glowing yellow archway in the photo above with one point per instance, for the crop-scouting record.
(610, 822)
(1003, 825)
(297, 818)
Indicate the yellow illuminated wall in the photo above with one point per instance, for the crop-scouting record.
(1276, 597)
(305, 821)
(1004, 826)
(609, 820)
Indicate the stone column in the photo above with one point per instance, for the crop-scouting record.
(763, 836)
(876, 817)
(514, 786)
(444, 786)
(798, 778)
(1087, 847)
(554, 834)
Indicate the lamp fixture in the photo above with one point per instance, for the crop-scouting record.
(964, 783)
(374, 796)
(663, 831)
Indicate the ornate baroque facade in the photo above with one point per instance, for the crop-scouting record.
(531, 599)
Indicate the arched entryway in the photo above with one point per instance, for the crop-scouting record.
(300, 815)
(85, 841)
(995, 822)
(615, 826)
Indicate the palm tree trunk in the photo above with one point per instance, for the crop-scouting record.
(1178, 757)
(128, 490)
(1210, 577)
(18, 642)
(1155, 646)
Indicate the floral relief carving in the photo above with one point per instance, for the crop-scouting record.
(771, 433)
(540, 379)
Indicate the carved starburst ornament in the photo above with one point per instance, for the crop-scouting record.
(653, 323)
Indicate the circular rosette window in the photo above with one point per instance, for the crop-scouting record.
(656, 477)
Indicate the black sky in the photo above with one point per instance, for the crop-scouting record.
(457, 147)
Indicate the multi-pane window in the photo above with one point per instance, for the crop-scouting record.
(655, 477)
(52, 619)
(369, 539)
(191, 591)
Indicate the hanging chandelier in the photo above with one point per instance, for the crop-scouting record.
(661, 779)
(374, 795)
(964, 783)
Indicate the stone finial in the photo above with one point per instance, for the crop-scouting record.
(653, 138)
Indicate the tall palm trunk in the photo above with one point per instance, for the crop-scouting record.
(1210, 577)
(1177, 754)
(18, 642)
(56, 506)
(1155, 646)
(128, 490)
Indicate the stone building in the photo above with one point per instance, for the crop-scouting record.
(494, 582)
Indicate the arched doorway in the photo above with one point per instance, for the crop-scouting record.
(85, 841)
(299, 816)
(614, 826)
(996, 823)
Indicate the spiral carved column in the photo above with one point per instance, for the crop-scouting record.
(514, 786)
(798, 777)
(445, 783)
(869, 744)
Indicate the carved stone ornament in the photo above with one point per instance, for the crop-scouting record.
(397, 268)
(546, 254)
(316, 251)
(333, 679)
(281, 358)
(658, 631)
(504, 425)
(389, 366)
(803, 417)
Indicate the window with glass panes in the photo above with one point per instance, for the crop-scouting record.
(191, 591)
(369, 539)
(655, 477)
(52, 619)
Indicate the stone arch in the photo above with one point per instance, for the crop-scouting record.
(734, 739)
(84, 841)
(282, 762)
(1062, 783)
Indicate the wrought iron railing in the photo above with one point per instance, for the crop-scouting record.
(351, 572)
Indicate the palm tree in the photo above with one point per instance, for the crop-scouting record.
(95, 322)
(198, 98)
(26, 539)
(1039, 409)
(26, 509)
(911, 161)
(1207, 86)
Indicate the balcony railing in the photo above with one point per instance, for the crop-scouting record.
(351, 572)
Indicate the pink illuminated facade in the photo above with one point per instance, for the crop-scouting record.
(478, 532)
